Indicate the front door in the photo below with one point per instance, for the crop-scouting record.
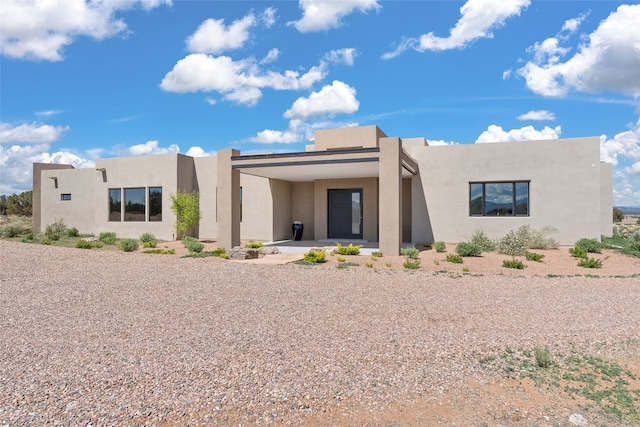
(345, 214)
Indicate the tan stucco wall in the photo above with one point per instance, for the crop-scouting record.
(281, 194)
(257, 208)
(565, 189)
(206, 170)
(606, 199)
(36, 207)
(369, 209)
(359, 136)
(302, 207)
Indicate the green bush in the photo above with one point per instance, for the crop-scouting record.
(578, 252)
(315, 256)
(254, 245)
(376, 254)
(46, 241)
(58, 227)
(513, 263)
(479, 238)
(634, 237)
(618, 215)
(541, 239)
(219, 252)
(410, 252)
(83, 244)
(542, 356)
(591, 245)
(129, 245)
(590, 263)
(192, 244)
(12, 230)
(29, 237)
(411, 263)
(456, 259)
(349, 250)
(439, 246)
(513, 243)
(468, 249)
(53, 236)
(73, 232)
(148, 237)
(160, 251)
(150, 244)
(635, 246)
(108, 237)
(532, 256)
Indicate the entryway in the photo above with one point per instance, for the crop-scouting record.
(345, 213)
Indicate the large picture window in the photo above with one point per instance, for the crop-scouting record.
(155, 203)
(499, 198)
(115, 204)
(134, 204)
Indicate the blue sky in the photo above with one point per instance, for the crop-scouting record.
(82, 80)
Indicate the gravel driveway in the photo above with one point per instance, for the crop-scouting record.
(105, 337)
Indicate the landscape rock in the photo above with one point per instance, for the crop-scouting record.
(240, 252)
(268, 250)
(578, 420)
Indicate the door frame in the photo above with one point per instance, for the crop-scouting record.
(358, 236)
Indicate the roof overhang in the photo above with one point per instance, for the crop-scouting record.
(311, 165)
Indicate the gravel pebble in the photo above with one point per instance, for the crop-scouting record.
(104, 337)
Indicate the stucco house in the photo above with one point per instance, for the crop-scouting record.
(351, 184)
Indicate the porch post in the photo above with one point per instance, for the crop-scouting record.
(228, 200)
(390, 198)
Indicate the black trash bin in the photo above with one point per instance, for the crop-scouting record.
(297, 228)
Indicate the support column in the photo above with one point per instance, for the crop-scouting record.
(228, 200)
(390, 188)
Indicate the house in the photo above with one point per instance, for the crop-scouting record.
(351, 184)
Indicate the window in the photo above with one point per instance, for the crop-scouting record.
(134, 204)
(115, 204)
(155, 203)
(65, 197)
(499, 198)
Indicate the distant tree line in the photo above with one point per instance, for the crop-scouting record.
(17, 204)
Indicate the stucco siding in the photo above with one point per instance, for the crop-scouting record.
(257, 208)
(281, 192)
(302, 207)
(78, 212)
(564, 189)
(206, 175)
(606, 199)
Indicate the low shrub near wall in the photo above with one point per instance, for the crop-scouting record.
(349, 250)
(468, 249)
(129, 245)
(315, 256)
(107, 237)
(590, 245)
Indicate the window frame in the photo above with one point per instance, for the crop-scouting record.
(149, 214)
(110, 205)
(514, 199)
(65, 197)
(144, 205)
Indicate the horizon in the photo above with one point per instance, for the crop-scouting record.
(192, 77)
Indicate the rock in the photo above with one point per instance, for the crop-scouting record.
(268, 250)
(240, 252)
(578, 420)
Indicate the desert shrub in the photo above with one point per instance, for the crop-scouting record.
(411, 263)
(635, 246)
(128, 245)
(160, 251)
(347, 264)
(634, 237)
(192, 244)
(513, 243)
(53, 236)
(590, 263)
(72, 232)
(349, 250)
(541, 239)
(368, 264)
(186, 207)
(468, 249)
(532, 256)
(314, 256)
(150, 244)
(341, 259)
(376, 254)
(456, 259)
(410, 252)
(513, 263)
(254, 245)
(374, 258)
(465, 269)
(29, 237)
(12, 230)
(219, 252)
(148, 237)
(107, 237)
(83, 244)
(542, 356)
(591, 245)
(479, 238)
(47, 241)
(58, 227)
(387, 264)
(578, 252)
(439, 246)
(618, 215)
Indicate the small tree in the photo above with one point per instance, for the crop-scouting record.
(618, 215)
(186, 207)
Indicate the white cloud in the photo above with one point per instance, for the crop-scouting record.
(271, 56)
(506, 74)
(608, 61)
(320, 15)
(196, 151)
(478, 20)
(624, 144)
(214, 37)
(268, 17)
(39, 30)
(269, 136)
(211, 101)
(495, 133)
(538, 115)
(246, 95)
(439, 142)
(341, 56)
(16, 164)
(48, 113)
(152, 147)
(330, 100)
(32, 133)
(570, 26)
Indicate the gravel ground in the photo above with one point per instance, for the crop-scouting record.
(91, 337)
